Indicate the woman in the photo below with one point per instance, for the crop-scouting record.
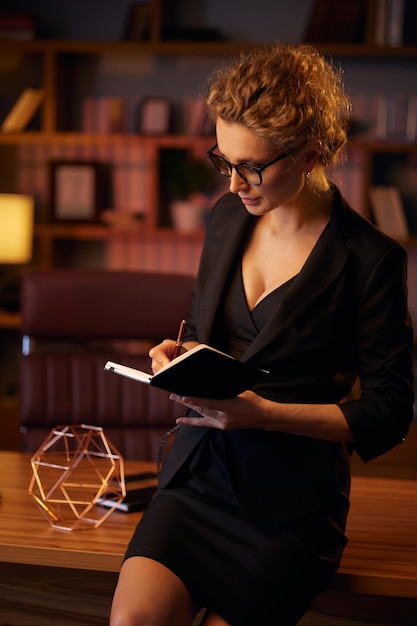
(250, 515)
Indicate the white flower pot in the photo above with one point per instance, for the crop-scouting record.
(187, 217)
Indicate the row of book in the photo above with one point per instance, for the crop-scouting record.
(106, 115)
(128, 172)
(391, 23)
(20, 26)
(341, 22)
(375, 116)
(381, 116)
(395, 23)
(146, 115)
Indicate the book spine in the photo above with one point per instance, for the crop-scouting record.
(23, 110)
(389, 212)
(395, 23)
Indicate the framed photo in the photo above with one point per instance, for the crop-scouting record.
(75, 191)
(155, 114)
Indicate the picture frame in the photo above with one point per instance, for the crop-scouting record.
(75, 191)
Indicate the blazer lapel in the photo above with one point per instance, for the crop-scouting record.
(228, 248)
(324, 264)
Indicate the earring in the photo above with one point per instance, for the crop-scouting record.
(307, 178)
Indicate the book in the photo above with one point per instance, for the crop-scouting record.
(330, 21)
(104, 115)
(388, 211)
(17, 25)
(155, 116)
(140, 489)
(203, 371)
(395, 22)
(379, 23)
(139, 22)
(389, 22)
(23, 110)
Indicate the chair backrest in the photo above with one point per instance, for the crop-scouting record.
(73, 321)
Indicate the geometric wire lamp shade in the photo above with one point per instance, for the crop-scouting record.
(16, 231)
(70, 471)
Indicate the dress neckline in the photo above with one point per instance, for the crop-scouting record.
(284, 286)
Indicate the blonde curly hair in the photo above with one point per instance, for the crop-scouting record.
(288, 94)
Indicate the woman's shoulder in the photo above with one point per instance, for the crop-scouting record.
(229, 204)
(358, 231)
(228, 210)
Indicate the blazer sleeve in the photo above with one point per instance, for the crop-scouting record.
(224, 233)
(380, 419)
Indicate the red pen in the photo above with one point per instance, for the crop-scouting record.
(178, 343)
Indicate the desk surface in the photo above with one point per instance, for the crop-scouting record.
(381, 556)
(26, 536)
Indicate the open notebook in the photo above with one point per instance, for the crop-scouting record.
(203, 371)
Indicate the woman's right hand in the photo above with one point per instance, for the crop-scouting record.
(164, 352)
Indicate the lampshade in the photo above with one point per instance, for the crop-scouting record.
(16, 228)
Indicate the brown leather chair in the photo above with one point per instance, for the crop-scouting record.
(73, 321)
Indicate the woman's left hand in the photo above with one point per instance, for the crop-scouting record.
(248, 410)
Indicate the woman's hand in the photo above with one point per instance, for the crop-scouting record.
(164, 352)
(248, 410)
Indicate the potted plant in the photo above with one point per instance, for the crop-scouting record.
(189, 182)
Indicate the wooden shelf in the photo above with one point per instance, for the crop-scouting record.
(10, 320)
(389, 145)
(171, 140)
(99, 231)
(193, 48)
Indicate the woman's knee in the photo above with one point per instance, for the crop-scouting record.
(212, 619)
(149, 594)
(123, 616)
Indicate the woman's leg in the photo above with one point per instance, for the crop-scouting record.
(212, 619)
(149, 594)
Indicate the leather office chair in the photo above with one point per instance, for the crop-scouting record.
(73, 321)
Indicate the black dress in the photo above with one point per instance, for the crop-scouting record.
(247, 571)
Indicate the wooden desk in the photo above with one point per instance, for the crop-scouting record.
(377, 578)
(381, 555)
(26, 536)
(379, 561)
(59, 578)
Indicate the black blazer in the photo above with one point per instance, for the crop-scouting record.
(344, 316)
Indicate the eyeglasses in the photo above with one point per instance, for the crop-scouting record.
(251, 174)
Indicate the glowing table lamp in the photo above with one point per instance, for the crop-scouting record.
(16, 228)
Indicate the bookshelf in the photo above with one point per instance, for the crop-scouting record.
(69, 70)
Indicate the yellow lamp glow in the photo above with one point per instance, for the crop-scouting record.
(16, 228)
